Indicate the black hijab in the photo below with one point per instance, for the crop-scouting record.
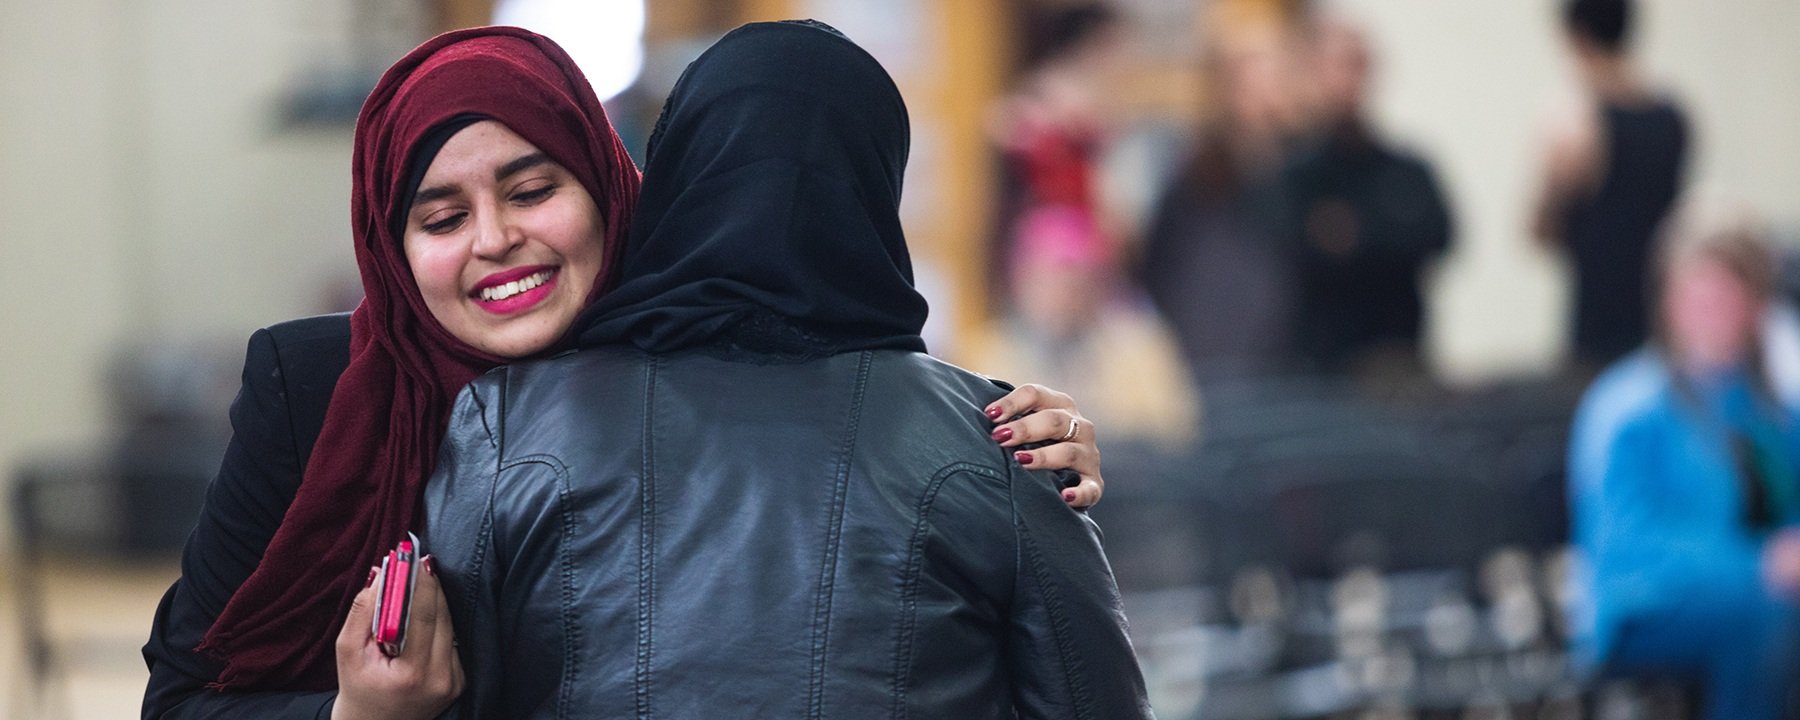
(769, 218)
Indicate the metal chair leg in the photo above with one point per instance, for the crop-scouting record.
(44, 675)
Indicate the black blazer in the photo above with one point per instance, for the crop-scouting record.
(290, 370)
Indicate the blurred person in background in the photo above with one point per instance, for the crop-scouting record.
(1074, 327)
(1364, 219)
(1613, 165)
(1685, 485)
(1213, 262)
(1066, 318)
(490, 196)
(1051, 132)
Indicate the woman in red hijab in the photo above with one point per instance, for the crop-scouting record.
(490, 199)
(408, 356)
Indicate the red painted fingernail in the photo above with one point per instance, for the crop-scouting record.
(373, 571)
(1003, 434)
(1069, 496)
(993, 413)
(1024, 458)
(431, 565)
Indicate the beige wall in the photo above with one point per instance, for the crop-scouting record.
(58, 218)
(147, 192)
(1468, 84)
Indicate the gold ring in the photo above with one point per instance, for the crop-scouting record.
(1074, 427)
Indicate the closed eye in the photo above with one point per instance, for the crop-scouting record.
(445, 225)
(534, 196)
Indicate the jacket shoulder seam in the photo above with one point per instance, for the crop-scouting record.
(565, 571)
(1075, 680)
(646, 586)
(906, 624)
(822, 599)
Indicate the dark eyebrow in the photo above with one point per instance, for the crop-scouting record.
(432, 193)
(520, 165)
(512, 168)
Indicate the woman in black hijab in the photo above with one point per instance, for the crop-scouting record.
(752, 474)
(772, 213)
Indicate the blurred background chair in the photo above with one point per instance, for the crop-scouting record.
(1328, 551)
(125, 509)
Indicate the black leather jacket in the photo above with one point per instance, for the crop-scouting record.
(684, 536)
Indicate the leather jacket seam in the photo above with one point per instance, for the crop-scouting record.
(906, 624)
(565, 570)
(484, 535)
(484, 531)
(496, 430)
(646, 547)
(493, 438)
(821, 624)
(1059, 624)
(484, 539)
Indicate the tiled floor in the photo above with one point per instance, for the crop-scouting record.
(97, 615)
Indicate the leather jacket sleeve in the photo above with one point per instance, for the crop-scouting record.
(1066, 632)
(1040, 565)
(477, 557)
(462, 546)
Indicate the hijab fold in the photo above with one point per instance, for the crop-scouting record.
(769, 220)
(361, 489)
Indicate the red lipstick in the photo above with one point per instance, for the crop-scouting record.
(516, 290)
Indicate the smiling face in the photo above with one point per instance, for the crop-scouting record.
(504, 243)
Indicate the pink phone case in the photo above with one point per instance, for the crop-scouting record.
(393, 604)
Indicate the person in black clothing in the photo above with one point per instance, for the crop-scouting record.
(296, 374)
(1213, 262)
(1614, 167)
(751, 494)
(1364, 217)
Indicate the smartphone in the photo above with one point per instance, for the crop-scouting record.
(393, 605)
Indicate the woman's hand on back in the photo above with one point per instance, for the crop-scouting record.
(1037, 414)
(421, 682)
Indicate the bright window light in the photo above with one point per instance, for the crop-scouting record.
(606, 37)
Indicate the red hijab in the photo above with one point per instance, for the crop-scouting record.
(360, 493)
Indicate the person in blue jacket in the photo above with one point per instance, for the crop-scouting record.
(1683, 480)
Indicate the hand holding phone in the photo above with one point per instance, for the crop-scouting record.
(399, 577)
(402, 606)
